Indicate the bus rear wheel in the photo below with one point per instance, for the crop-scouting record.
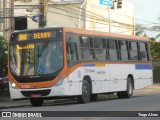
(36, 101)
(86, 93)
(129, 92)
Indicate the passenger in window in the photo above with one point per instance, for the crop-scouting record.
(96, 54)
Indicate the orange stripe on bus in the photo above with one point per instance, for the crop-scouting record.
(104, 34)
(31, 85)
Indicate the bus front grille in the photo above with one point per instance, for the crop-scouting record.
(37, 92)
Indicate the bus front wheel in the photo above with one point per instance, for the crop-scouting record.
(129, 92)
(86, 93)
(36, 101)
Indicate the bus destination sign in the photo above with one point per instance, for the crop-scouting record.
(35, 36)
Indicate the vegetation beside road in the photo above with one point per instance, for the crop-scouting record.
(3, 57)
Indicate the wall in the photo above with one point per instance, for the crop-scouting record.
(121, 20)
(71, 13)
(64, 15)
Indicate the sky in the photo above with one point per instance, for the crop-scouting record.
(148, 10)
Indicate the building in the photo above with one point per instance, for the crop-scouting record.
(6, 17)
(85, 14)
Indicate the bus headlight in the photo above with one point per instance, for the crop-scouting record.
(13, 85)
(60, 81)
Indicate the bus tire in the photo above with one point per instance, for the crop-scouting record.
(86, 93)
(94, 97)
(36, 101)
(129, 92)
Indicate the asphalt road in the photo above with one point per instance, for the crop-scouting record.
(147, 99)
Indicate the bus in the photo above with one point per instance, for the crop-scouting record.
(59, 62)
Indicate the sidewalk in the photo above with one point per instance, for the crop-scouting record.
(155, 86)
(8, 103)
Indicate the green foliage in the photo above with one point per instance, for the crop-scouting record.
(3, 56)
(155, 50)
(152, 38)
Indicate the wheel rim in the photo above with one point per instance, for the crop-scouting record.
(130, 89)
(85, 93)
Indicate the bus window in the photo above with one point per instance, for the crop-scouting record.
(143, 52)
(123, 50)
(100, 48)
(72, 51)
(87, 48)
(134, 51)
(72, 54)
(86, 42)
(49, 57)
(113, 50)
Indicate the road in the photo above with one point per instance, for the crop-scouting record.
(147, 99)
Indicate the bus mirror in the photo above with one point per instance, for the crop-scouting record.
(143, 54)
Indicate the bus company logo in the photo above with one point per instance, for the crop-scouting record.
(35, 85)
(6, 114)
(89, 71)
(101, 72)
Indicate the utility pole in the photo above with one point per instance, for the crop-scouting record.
(109, 20)
(43, 11)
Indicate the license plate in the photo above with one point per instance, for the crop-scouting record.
(35, 95)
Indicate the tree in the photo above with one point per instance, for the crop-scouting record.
(3, 56)
(155, 50)
(152, 39)
(140, 30)
(154, 46)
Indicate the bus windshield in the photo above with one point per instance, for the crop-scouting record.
(38, 58)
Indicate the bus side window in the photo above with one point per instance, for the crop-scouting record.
(134, 51)
(113, 53)
(143, 52)
(87, 48)
(71, 45)
(72, 51)
(123, 50)
(100, 48)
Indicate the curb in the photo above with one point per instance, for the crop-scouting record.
(5, 100)
(6, 103)
(7, 107)
(155, 86)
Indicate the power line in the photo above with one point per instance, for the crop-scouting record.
(124, 15)
(83, 19)
(95, 15)
(138, 19)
